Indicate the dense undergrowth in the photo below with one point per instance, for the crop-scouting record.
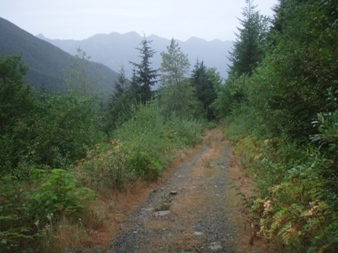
(296, 209)
(31, 210)
(64, 155)
(281, 114)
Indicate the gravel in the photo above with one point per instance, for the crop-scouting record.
(189, 212)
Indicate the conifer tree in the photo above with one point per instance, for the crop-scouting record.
(248, 50)
(121, 84)
(145, 76)
(202, 79)
(16, 98)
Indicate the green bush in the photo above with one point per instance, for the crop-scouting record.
(28, 210)
(105, 167)
(142, 147)
(58, 194)
(144, 166)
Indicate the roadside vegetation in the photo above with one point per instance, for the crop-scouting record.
(63, 155)
(280, 108)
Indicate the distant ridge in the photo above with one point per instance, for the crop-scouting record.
(46, 62)
(115, 49)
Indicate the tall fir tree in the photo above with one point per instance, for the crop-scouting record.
(248, 48)
(144, 75)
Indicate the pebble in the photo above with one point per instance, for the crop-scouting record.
(173, 193)
(161, 213)
(215, 247)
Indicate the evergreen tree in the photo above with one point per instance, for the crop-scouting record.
(202, 79)
(174, 64)
(16, 98)
(145, 76)
(248, 48)
(247, 53)
(121, 84)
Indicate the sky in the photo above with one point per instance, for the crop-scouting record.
(179, 19)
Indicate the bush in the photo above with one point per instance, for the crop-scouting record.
(105, 167)
(298, 211)
(142, 147)
(27, 211)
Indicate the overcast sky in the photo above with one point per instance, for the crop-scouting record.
(80, 19)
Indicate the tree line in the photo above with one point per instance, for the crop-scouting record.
(280, 107)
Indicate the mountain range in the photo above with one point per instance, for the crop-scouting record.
(47, 63)
(49, 58)
(115, 50)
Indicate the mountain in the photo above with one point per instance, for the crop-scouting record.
(114, 50)
(47, 62)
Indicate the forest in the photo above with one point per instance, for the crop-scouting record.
(63, 154)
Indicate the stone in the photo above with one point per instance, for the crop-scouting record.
(173, 193)
(161, 213)
(215, 247)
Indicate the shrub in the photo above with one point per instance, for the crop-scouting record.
(27, 210)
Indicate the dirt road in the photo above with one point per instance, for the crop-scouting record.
(194, 208)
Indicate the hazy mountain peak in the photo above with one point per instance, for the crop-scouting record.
(40, 36)
(115, 49)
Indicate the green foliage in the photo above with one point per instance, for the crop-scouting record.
(121, 107)
(205, 81)
(54, 130)
(298, 211)
(179, 100)
(16, 99)
(174, 65)
(17, 102)
(57, 195)
(121, 85)
(270, 114)
(231, 97)
(143, 165)
(142, 148)
(144, 76)
(16, 225)
(105, 167)
(327, 138)
(77, 79)
(248, 48)
(64, 128)
(290, 87)
(28, 210)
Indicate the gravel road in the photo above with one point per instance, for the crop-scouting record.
(191, 210)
